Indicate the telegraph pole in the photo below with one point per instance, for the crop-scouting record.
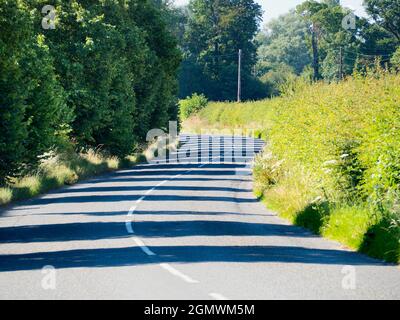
(239, 89)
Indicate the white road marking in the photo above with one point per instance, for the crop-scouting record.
(160, 184)
(177, 273)
(145, 249)
(217, 296)
(128, 225)
(142, 246)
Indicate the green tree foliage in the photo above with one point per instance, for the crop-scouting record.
(215, 32)
(386, 13)
(192, 105)
(112, 49)
(33, 115)
(87, 49)
(380, 37)
(396, 60)
(283, 51)
(334, 47)
(156, 92)
(12, 87)
(103, 77)
(338, 51)
(376, 40)
(283, 42)
(177, 19)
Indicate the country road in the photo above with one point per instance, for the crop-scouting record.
(175, 231)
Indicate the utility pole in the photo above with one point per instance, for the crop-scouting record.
(239, 89)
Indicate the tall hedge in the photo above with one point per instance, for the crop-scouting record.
(103, 77)
(33, 113)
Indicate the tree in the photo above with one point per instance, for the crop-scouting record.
(13, 88)
(102, 78)
(334, 48)
(176, 19)
(386, 14)
(376, 40)
(47, 115)
(395, 61)
(118, 64)
(216, 30)
(283, 42)
(34, 116)
(310, 10)
(156, 92)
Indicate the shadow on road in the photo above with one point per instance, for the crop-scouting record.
(133, 256)
(158, 212)
(145, 188)
(128, 256)
(162, 178)
(144, 229)
(118, 198)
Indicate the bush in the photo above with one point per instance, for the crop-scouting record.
(395, 61)
(348, 224)
(34, 116)
(192, 105)
(382, 240)
(333, 157)
(103, 77)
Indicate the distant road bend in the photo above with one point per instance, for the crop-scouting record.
(190, 230)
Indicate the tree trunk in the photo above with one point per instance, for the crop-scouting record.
(314, 40)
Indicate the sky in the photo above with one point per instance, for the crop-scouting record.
(274, 8)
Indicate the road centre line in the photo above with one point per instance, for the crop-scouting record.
(146, 250)
(177, 273)
(217, 296)
(142, 246)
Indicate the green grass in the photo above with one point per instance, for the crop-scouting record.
(61, 170)
(348, 225)
(6, 195)
(332, 163)
(382, 239)
(251, 117)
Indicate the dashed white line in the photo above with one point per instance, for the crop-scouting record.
(146, 250)
(160, 184)
(217, 296)
(128, 223)
(142, 246)
(177, 273)
(128, 226)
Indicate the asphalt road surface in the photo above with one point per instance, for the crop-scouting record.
(175, 231)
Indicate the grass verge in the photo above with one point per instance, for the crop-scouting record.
(61, 170)
(295, 196)
(333, 158)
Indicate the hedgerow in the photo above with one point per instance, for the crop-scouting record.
(103, 77)
(333, 157)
